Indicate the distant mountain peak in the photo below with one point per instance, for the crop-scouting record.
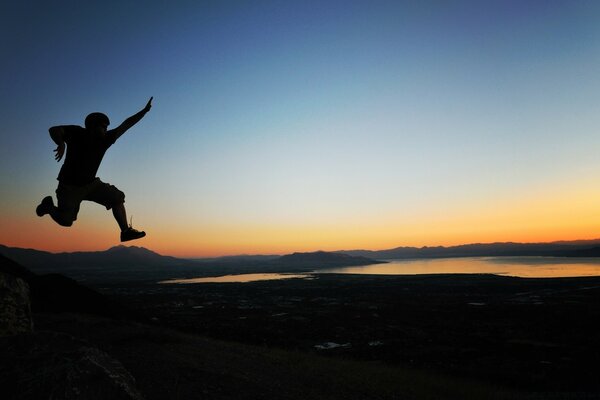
(131, 249)
(322, 258)
(121, 247)
(123, 256)
(300, 253)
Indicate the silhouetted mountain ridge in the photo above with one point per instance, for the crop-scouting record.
(498, 249)
(587, 252)
(121, 261)
(322, 259)
(143, 261)
(41, 261)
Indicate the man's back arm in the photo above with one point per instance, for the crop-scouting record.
(60, 134)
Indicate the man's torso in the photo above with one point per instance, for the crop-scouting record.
(84, 154)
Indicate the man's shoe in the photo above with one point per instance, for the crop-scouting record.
(45, 206)
(131, 234)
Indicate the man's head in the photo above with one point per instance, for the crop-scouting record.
(97, 122)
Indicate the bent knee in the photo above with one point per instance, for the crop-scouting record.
(64, 220)
(117, 202)
(118, 199)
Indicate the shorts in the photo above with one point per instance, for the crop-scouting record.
(70, 197)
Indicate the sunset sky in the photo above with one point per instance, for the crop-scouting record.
(283, 126)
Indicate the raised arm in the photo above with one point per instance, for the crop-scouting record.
(131, 121)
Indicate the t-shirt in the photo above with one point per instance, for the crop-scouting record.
(85, 151)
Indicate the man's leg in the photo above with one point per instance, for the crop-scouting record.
(47, 207)
(127, 232)
(120, 216)
(111, 197)
(59, 218)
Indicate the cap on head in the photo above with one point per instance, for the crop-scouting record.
(95, 119)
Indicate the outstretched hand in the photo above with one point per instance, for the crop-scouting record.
(60, 151)
(148, 105)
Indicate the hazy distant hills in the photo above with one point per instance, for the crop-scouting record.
(131, 262)
(551, 249)
(322, 259)
(141, 260)
(115, 256)
(587, 252)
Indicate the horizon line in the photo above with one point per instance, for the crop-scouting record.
(313, 251)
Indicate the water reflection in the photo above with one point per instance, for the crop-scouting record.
(525, 267)
(242, 278)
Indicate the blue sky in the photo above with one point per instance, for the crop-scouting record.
(275, 118)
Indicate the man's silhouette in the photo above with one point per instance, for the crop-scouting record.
(77, 179)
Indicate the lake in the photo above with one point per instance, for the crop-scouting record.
(242, 278)
(525, 267)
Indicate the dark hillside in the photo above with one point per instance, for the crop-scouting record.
(172, 365)
(58, 293)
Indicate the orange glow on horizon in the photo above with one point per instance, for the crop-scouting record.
(274, 240)
(572, 213)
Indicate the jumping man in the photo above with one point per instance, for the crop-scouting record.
(77, 179)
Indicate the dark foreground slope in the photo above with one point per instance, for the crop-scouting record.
(350, 337)
(56, 292)
(172, 365)
(84, 354)
(536, 335)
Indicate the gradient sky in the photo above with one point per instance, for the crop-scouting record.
(284, 126)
